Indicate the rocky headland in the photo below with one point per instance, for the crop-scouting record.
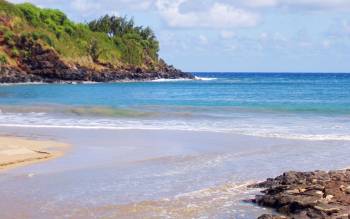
(304, 195)
(53, 71)
(44, 45)
(45, 65)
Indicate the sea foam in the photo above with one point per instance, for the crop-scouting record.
(205, 78)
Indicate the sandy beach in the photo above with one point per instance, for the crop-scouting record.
(15, 151)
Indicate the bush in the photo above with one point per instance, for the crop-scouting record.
(9, 38)
(59, 33)
(14, 52)
(82, 30)
(9, 9)
(31, 13)
(69, 30)
(133, 52)
(3, 59)
(94, 50)
(52, 15)
(47, 39)
(36, 36)
(3, 29)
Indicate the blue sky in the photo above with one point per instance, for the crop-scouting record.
(235, 35)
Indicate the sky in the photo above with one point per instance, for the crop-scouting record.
(235, 35)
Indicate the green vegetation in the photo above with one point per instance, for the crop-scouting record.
(110, 39)
(134, 42)
(3, 59)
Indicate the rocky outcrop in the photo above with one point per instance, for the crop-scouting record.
(15, 75)
(37, 64)
(306, 195)
(269, 216)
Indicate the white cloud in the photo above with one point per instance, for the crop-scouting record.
(279, 37)
(317, 4)
(326, 44)
(84, 6)
(136, 4)
(218, 16)
(305, 44)
(226, 34)
(264, 36)
(339, 29)
(203, 40)
(261, 3)
(346, 27)
(114, 13)
(300, 4)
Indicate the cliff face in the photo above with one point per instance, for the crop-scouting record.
(42, 45)
(45, 65)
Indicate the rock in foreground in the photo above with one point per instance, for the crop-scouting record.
(306, 195)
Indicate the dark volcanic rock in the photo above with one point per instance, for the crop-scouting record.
(39, 64)
(268, 216)
(14, 75)
(306, 195)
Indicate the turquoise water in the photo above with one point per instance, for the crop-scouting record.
(306, 106)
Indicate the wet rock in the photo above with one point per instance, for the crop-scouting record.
(317, 194)
(267, 216)
(15, 75)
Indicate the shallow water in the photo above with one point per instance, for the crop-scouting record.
(156, 174)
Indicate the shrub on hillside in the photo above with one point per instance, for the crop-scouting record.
(3, 59)
(9, 38)
(14, 52)
(30, 13)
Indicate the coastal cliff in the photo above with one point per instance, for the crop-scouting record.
(43, 45)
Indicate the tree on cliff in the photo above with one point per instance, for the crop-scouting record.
(135, 42)
(94, 50)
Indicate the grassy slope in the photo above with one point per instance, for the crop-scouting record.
(52, 29)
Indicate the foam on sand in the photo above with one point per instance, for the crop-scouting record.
(195, 204)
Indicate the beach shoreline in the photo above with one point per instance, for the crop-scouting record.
(113, 172)
(16, 151)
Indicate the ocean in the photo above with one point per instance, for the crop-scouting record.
(295, 106)
(171, 148)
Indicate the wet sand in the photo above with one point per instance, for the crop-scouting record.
(16, 152)
(155, 173)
